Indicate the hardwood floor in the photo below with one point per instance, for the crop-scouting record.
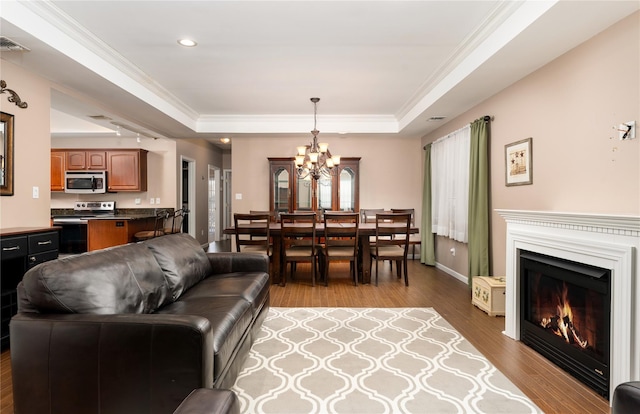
(548, 386)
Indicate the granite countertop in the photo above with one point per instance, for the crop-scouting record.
(120, 214)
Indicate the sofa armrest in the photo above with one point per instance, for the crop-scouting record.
(229, 262)
(108, 363)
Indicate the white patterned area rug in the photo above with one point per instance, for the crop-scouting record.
(364, 360)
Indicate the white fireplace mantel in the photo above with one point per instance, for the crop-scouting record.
(607, 241)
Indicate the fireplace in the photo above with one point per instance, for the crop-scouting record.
(565, 311)
(601, 241)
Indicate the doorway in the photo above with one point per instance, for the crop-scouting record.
(213, 203)
(226, 193)
(188, 194)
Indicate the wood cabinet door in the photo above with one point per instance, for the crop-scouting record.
(76, 160)
(96, 160)
(106, 233)
(127, 170)
(57, 170)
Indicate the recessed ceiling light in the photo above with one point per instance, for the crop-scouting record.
(225, 140)
(187, 42)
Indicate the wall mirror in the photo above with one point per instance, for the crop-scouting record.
(6, 154)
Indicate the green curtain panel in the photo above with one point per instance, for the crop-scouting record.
(427, 245)
(479, 262)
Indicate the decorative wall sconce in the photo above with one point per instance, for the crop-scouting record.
(626, 130)
(15, 98)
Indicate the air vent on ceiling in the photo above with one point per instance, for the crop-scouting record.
(8, 45)
(436, 118)
(100, 117)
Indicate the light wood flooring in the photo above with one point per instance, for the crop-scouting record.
(548, 386)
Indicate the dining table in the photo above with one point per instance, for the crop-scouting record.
(365, 232)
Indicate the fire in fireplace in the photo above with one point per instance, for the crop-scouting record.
(565, 311)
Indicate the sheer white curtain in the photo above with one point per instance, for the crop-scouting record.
(450, 184)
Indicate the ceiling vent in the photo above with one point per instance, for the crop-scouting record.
(436, 118)
(100, 117)
(8, 45)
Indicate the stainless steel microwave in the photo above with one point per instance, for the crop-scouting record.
(85, 182)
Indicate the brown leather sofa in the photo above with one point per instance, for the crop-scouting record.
(134, 328)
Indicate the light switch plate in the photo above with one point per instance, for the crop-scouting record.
(238, 196)
(36, 192)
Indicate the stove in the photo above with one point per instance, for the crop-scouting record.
(73, 233)
(85, 210)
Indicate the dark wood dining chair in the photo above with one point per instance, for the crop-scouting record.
(392, 241)
(341, 242)
(414, 238)
(298, 234)
(252, 233)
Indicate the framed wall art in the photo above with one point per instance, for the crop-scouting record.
(6, 154)
(518, 163)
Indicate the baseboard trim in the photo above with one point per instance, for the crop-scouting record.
(453, 273)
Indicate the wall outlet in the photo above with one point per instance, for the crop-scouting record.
(238, 196)
(152, 200)
(137, 201)
(157, 200)
(36, 192)
(453, 251)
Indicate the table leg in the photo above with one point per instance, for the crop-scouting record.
(365, 259)
(276, 259)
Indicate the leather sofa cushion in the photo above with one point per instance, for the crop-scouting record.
(230, 318)
(252, 286)
(122, 279)
(182, 259)
(209, 401)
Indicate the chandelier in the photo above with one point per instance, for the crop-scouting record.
(315, 160)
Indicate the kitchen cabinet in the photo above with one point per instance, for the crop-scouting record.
(86, 160)
(21, 249)
(58, 167)
(288, 192)
(127, 170)
(102, 233)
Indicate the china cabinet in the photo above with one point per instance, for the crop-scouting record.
(288, 192)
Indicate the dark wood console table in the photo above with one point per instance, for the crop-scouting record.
(21, 248)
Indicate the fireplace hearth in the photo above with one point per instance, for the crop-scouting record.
(565, 311)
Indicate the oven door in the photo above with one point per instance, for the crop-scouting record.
(73, 236)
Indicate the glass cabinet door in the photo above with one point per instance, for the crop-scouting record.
(304, 192)
(347, 190)
(281, 190)
(325, 194)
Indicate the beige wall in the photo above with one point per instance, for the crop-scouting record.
(390, 171)
(569, 108)
(31, 149)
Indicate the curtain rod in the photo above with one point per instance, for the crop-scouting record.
(485, 118)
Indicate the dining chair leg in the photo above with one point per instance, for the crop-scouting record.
(406, 273)
(376, 272)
